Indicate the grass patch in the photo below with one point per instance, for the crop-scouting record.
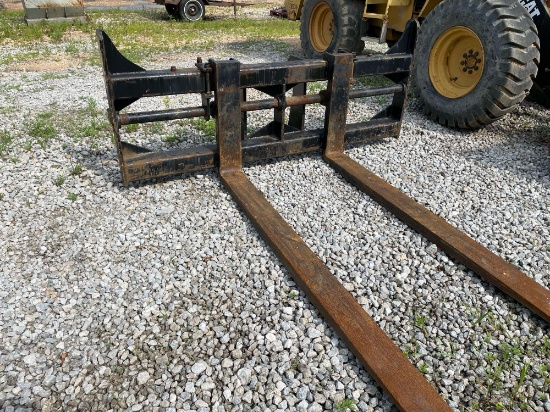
(208, 128)
(6, 139)
(346, 404)
(153, 129)
(205, 128)
(53, 76)
(316, 87)
(176, 137)
(72, 49)
(132, 128)
(72, 196)
(140, 34)
(42, 128)
(59, 180)
(423, 368)
(95, 128)
(13, 27)
(76, 170)
(17, 57)
(374, 81)
(89, 122)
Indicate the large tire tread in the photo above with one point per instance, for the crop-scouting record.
(506, 80)
(347, 25)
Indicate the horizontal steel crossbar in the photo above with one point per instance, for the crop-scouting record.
(127, 82)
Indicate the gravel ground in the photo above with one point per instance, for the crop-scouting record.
(161, 296)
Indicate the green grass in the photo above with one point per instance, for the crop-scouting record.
(59, 180)
(91, 107)
(21, 56)
(13, 27)
(345, 405)
(93, 128)
(42, 128)
(53, 76)
(423, 368)
(546, 347)
(76, 170)
(140, 35)
(72, 196)
(208, 128)
(175, 137)
(522, 375)
(72, 49)
(131, 128)
(316, 87)
(89, 122)
(374, 81)
(153, 129)
(6, 139)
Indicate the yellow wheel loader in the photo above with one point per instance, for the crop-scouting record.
(475, 59)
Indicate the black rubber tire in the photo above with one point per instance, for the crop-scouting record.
(191, 10)
(171, 9)
(511, 49)
(347, 27)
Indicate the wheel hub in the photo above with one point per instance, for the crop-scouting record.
(456, 62)
(470, 62)
(321, 27)
(192, 10)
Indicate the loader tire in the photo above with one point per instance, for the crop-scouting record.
(191, 10)
(331, 26)
(474, 61)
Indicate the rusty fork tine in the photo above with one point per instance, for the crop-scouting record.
(455, 243)
(378, 354)
(452, 241)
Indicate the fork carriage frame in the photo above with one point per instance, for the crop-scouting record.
(126, 82)
(222, 86)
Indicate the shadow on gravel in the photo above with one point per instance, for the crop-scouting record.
(511, 157)
(525, 152)
(104, 163)
(286, 47)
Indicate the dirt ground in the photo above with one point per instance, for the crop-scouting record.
(18, 4)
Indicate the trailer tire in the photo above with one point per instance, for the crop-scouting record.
(191, 10)
(331, 26)
(474, 61)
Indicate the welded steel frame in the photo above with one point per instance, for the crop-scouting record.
(127, 82)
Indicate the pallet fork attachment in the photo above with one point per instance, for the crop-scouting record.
(222, 85)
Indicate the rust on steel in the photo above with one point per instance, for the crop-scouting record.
(378, 354)
(385, 362)
(452, 241)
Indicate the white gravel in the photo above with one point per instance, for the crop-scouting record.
(163, 297)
